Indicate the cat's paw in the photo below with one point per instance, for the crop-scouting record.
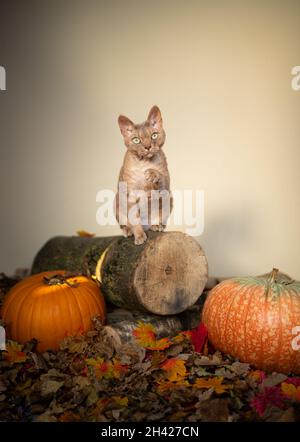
(157, 228)
(140, 238)
(151, 176)
(127, 231)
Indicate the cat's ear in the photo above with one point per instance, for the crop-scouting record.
(126, 126)
(155, 118)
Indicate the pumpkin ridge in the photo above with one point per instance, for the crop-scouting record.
(294, 310)
(264, 315)
(235, 296)
(244, 317)
(85, 305)
(26, 326)
(97, 301)
(213, 301)
(11, 297)
(16, 325)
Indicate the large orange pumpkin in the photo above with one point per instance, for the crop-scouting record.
(50, 306)
(255, 319)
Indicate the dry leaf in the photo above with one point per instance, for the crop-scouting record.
(216, 383)
(175, 369)
(14, 353)
(85, 234)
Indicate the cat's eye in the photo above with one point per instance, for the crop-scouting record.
(154, 135)
(136, 140)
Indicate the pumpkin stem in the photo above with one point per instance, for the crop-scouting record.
(274, 275)
(59, 279)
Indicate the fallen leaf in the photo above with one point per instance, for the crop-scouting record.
(269, 396)
(290, 391)
(85, 234)
(215, 410)
(199, 337)
(145, 335)
(216, 383)
(240, 368)
(50, 387)
(14, 353)
(175, 369)
(273, 379)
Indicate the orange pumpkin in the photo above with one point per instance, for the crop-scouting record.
(255, 319)
(50, 306)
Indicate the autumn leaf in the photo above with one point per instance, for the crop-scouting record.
(121, 401)
(118, 369)
(257, 375)
(145, 335)
(175, 369)
(102, 369)
(199, 337)
(294, 381)
(164, 386)
(291, 391)
(85, 234)
(107, 370)
(68, 416)
(216, 383)
(14, 353)
(269, 396)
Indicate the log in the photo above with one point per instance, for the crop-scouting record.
(164, 276)
(123, 322)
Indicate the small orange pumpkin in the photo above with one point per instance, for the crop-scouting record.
(50, 306)
(255, 319)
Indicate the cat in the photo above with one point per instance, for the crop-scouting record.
(144, 169)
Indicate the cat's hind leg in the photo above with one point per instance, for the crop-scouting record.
(126, 230)
(157, 228)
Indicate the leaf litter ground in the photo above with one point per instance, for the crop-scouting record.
(95, 378)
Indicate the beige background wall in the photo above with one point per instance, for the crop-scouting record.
(220, 72)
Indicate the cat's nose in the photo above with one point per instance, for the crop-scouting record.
(148, 147)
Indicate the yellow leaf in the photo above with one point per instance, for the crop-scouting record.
(118, 369)
(146, 337)
(164, 386)
(175, 369)
(107, 370)
(290, 391)
(14, 353)
(85, 234)
(121, 401)
(215, 383)
(100, 406)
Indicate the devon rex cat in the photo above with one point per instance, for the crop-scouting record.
(144, 177)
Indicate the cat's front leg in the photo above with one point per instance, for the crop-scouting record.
(139, 235)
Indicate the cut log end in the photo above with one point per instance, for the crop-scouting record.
(171, 274)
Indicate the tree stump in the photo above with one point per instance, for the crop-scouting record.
(164, 276)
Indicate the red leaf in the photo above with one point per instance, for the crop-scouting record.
(199, 337)
(294, 381)
(270, 396)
